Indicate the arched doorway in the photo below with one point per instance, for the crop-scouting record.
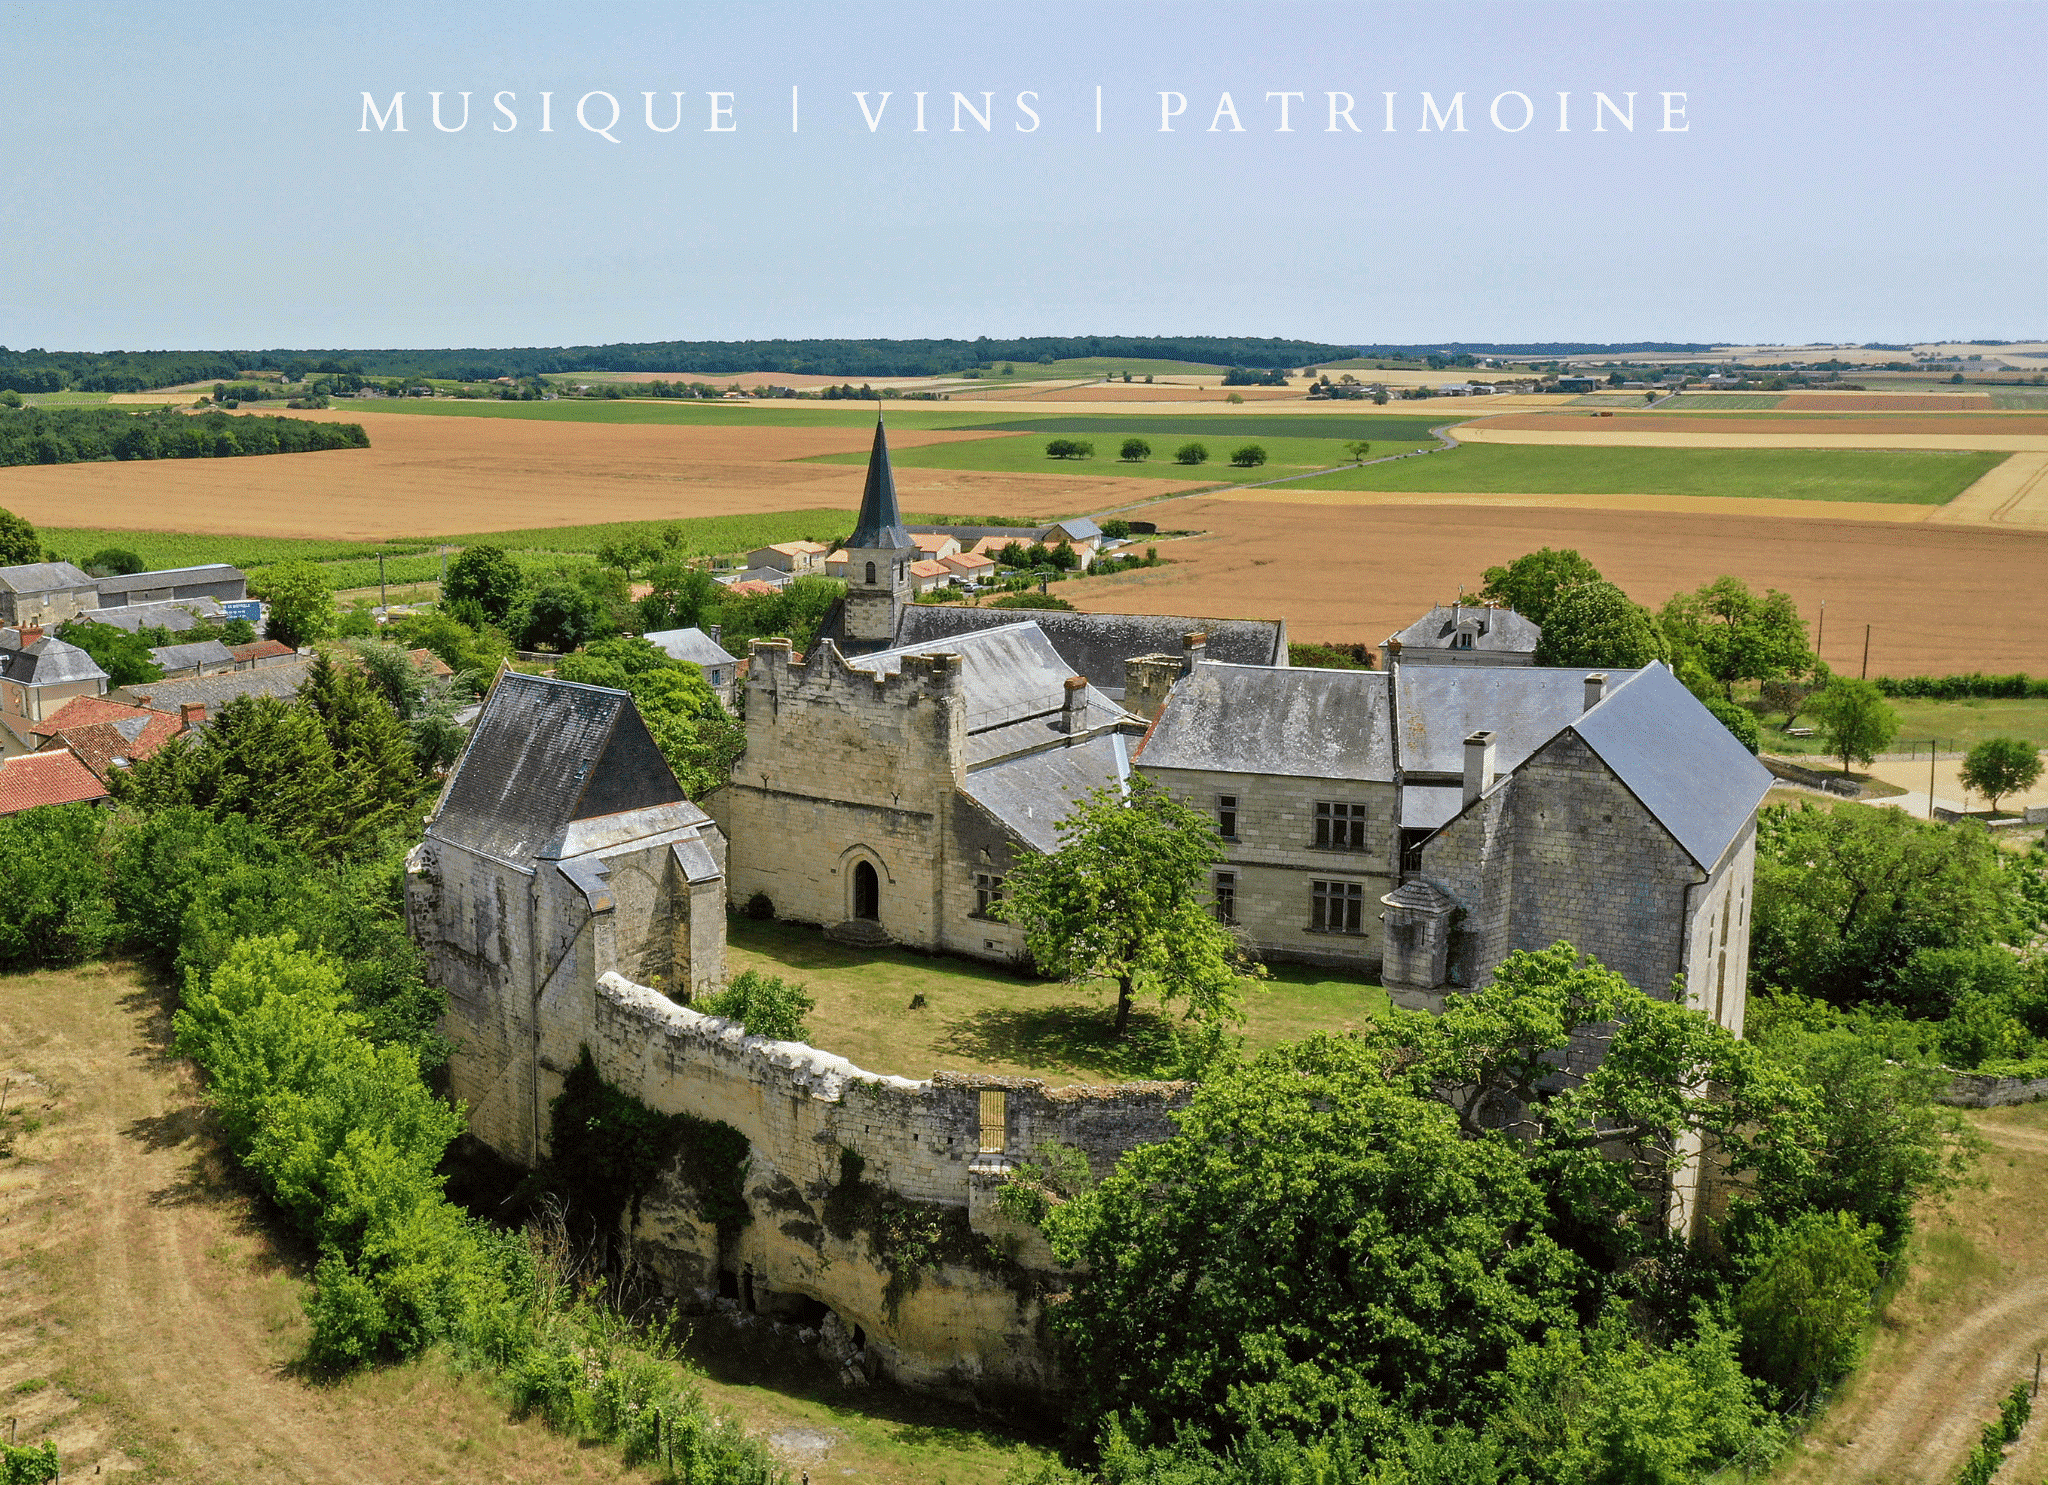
(867, 892)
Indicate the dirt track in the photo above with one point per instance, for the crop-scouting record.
(431, 476)
(1360, 572)
(2013, 494)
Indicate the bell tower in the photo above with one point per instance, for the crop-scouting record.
(878, 558)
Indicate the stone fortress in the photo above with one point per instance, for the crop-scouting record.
(1419, 822)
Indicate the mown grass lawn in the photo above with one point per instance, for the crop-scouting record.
(1957, 726)
(980, 1018)
(1886, 476)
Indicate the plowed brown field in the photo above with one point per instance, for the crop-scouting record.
(1884, 402)
(1360, 573)
(431, 476)
(1999, 423)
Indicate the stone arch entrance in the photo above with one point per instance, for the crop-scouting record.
(867, 892)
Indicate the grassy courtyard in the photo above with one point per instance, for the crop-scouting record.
(1956, 726)
(979, 1018)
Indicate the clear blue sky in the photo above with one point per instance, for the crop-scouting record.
(197, 176)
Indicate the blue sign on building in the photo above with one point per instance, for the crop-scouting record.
(244, 608)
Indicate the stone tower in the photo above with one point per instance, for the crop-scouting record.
(878, 558)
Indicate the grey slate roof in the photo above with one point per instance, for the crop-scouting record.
(170, 577)
(692, 645)
(1498, 629)
(1097, 645)
(1686, 768)
(1007, 675)
(216, 691)
(49, 662)
(545, 753)
(1426, 806)
(1032, 794)
(1076, 528)
(1326, 724)
(1441, 705)
(174, 614)
(880, 527)
(41, 577)
(199, 652)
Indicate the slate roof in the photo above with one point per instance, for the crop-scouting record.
(1033, 793)
(1441, 705)
(1077, 528)
(200, 652)
(216, 691)
(55, 777)
(545, 753)
(42, 577)
(1007, 675)
(1097, 645)
(170, 577)
(174, 614)
(49, 662)
(880, 527)
(1325, 724)
(692, 645)
(1500, 629)
(1686, 768)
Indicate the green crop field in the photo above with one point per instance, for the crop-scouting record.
(1025, 454)
(1887, 476)
(1723, 402)
(1219, 426)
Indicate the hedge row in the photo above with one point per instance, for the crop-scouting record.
(1963, 687)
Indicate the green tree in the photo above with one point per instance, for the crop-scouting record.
(693, 731)
(300, 602)
(113, 562)
(1191, 453)
(123, 656)
(1855, 718)
(1126, 898)
(377, 773)
(1802, 1315)
(628, 553)
(1135, 450)
(474, 655)
(559, 616)
(19, 544)
(1070, 448)
(1999, 766)
(1336, 1227)
(1596, 624)
(1116, 528)
(765, 1005)
(54, 902)
(1358, 449)
(485, 576)
(1531, 583)
(682, 597)
(1737, 636)
(1248, 456)
(1739, 721)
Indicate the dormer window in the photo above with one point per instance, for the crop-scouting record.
(1463, 641)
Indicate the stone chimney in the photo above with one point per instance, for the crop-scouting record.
(1194, 649)
(30, 633)
(1393, 651)
(714, 630)
(1596, 689)
(1074, 710)
(1147, 679)
(193, 713)
(1478, 765)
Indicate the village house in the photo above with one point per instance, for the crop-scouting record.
(45, 594)
(41, 779)
(928, 576)
(215, 580)
(176, 617)
(756, 579)
(107, 735)
(797, 558)
(38, 674)
(262, 654)
(1467, 634)
(701, 648)
(212, 692)
(201, 657)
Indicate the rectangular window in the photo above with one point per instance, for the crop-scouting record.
(995, 1123)
(1340, 827)
(1226, 816)
(1336, 907)
(988, 891)
(1411, 849)
(1226, 897)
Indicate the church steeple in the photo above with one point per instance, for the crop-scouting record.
(880, 527)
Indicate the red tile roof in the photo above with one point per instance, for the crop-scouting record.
(261, 649)
(85, 711)
(751, 585)
(55, 777)
(98, 744)
(431, 663)
(931, 569)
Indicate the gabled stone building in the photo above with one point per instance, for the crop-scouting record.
(561, 849)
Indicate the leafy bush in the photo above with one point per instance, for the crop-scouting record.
(1032, 600)
(54, 901)
(1070, 448)
(1135, 450)
(1802, 1314)
(1248, 456)
(28, 1464)
(766, 1005)
(1737, 719)
(1967, 687)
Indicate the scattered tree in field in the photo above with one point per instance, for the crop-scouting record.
(1135, 450)
(1855, 718)
(485, 576)
(1790, 694)
(1531, 583)
(1358, 449)
(1596, 624)
(1126, 898)
(19, 544)
(1070, 448)
(123, 656)
(1999, 766)
(1249, 456)
(1191, 453)
(301, 605)
(629, 553)
(1734, 635)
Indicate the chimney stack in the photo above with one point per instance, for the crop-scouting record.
(1074, 711)
(30, 633)
(193, 713)
(1596, 689)
(1194, 649)
(1478, 765)
(714, 631)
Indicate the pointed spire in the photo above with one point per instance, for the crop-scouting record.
(880, 527)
